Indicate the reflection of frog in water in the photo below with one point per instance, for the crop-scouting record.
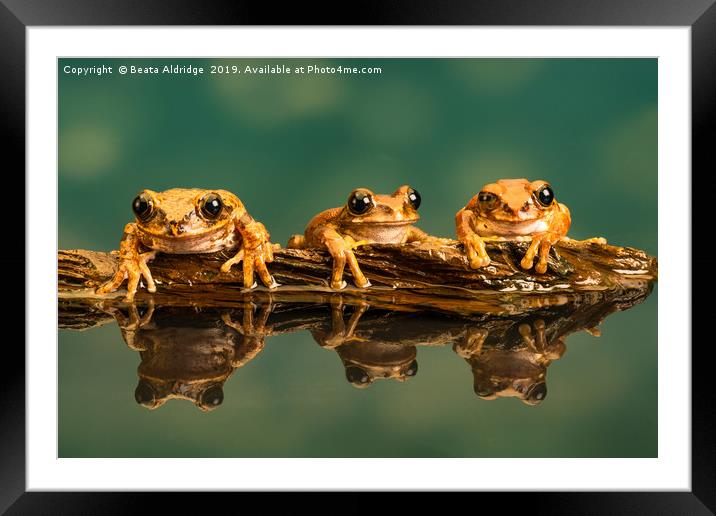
(188, 354)
(515, 363)
(373, 353)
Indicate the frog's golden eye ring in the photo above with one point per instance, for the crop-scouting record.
(211, 206)
(487, 200)
(545, 195)
(357, 376)
(414, 198)
(143, 207)
(360, 202)
(412, 368)
(212, 397)
(144, 394)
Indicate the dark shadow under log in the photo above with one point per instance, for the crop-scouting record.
(404, 277)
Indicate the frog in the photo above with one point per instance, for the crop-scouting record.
(514, 209)
(366, 218)
(188, 221)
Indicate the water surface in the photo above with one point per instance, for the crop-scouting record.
(306, 381)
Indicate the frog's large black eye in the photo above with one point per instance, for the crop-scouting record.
(360, 203)
(143, 207)
(356, 375)
(412, 369)
(414, 198)
(545, 195)
(537, 393)
(212, 397)
(211, 206)
(487, 200)
(144, 394)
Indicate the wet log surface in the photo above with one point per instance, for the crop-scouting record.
(404, 278)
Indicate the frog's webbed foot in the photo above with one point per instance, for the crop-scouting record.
(254, 259)
(475, 250)
(341, 250)
(131, 268)
(471, 343)
(540, 246)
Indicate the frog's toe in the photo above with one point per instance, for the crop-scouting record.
(365, 284)
(478, 262)
(594, 331)
(541, 267)
(339, 285)
(526, 263)
(296, 242)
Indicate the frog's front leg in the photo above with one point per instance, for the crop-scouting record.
(474, 246)
(470, 344)
(340, 332)
(131, 324)
(133, 321)
(132, 265)
(540, 246)
(537, 341)
(256, 251)
(253, 332)
(341, 249)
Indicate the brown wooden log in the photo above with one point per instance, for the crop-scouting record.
(405, 277)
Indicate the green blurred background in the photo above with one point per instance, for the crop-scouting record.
(292, 145)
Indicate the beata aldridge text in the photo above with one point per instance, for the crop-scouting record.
(167, 69)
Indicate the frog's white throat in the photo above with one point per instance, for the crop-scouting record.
(379, 233)
(189, 244)
(489, 228)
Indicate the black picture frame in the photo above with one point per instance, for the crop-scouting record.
(17, 15)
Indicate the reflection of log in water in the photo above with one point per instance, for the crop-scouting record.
(507, 324)
(408, 276)
(189, 351)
